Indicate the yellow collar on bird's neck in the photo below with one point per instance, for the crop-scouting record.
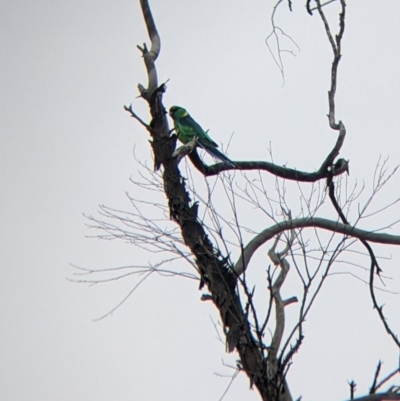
(185, 114)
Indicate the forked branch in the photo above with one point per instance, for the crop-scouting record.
(336, 47)
(150, 56)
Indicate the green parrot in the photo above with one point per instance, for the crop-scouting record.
(186, 129)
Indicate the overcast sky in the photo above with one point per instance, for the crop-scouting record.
(67, 68)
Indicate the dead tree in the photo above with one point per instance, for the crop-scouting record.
(265, 364)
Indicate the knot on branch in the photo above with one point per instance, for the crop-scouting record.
(341, 166)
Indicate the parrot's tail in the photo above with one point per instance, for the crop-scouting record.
(214, 152)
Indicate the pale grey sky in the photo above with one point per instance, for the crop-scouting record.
(66, 70)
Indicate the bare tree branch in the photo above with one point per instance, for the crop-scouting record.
(373, 388)
(336, 47)
(387, 378)
(316, 222)
(150, 56)
(284, 172)
(379, 309)
(135, 116)
(389, 396)
(274, 33)
(186, 149)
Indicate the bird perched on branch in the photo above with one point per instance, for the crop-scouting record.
(186, 128)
